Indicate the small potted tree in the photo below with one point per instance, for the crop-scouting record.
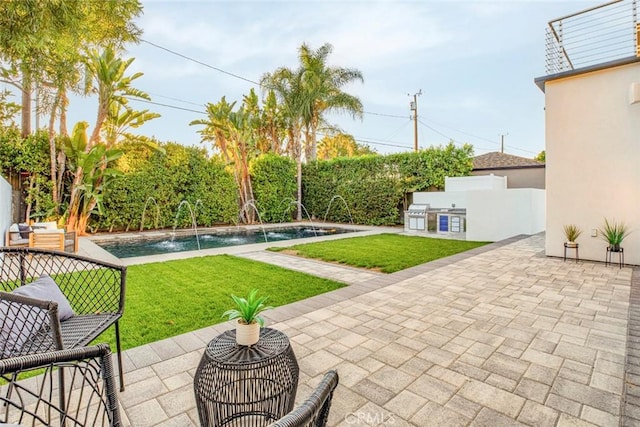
(614, 233)
(247, 313)
(571, 233)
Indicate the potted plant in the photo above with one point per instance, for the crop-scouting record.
(571, 233)
(249, 321)
(614, 233)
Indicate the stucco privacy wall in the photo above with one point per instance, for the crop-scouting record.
(493, 215)
(5, 208)
(593, 158)
(518, 177)
(497, 215)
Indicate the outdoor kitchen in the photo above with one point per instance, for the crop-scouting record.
(478, 208)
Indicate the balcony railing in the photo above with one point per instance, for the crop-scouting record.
(593, 36)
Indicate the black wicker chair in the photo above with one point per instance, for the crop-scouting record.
(89, 397)
(94, 289)
(314, 412)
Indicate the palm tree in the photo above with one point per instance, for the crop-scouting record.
(306, 94)
(288, 87)
(324, 86)
(235, 135)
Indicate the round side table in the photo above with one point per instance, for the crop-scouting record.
(253, 386)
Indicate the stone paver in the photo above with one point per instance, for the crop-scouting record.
(500, 335)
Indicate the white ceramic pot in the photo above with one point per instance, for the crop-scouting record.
(247, 334)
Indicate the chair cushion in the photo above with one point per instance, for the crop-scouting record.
(19, 322)
(45, 288)
(24, 230)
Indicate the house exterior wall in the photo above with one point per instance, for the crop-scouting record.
(5, 208)
(593, 159)
(518, 178)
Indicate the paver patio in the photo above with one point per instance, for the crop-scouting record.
(500, 335)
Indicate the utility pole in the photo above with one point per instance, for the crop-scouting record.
(502, 141)
(414, 107)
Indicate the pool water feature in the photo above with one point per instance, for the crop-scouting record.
(128, 248)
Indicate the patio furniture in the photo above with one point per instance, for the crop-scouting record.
(571, 246)
(89, 396)
(609, 257)
(314, 412)
(246, 385)
(91, 297)
(14, 237)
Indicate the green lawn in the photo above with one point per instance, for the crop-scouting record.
(383, 252)
(171, 298)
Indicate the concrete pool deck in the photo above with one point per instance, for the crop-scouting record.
(500, 335)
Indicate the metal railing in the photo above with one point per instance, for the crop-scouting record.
(592, 36)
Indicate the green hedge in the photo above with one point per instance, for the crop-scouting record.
(180, 173)
(273, 179)
(374, 187)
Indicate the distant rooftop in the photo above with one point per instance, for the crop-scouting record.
(498, 160)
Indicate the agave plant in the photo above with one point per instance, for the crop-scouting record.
(248, 309)
(572, 232)
(614, 232)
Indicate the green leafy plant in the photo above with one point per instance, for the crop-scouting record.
(248, 309)
(614, 232)
(572, 232)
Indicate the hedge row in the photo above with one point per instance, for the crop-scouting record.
(365, 190)
(372, 189)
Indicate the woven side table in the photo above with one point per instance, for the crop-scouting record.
(246, 385)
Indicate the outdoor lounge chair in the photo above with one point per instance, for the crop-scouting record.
(314, 412)
(89, 396)
(82, 298)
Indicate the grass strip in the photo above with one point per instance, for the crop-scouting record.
(174, 297)
(387, 253)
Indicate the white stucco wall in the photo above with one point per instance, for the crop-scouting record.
(5, 208)
(593, 159)
(484, 182)
(494, 215)
(497, 215)
(441, 199)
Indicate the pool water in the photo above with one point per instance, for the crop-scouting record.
(141, 247)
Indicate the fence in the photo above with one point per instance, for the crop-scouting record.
(593, 36)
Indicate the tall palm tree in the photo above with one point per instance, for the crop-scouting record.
(235, 135)
(324, 86)
(307, 94)
(288, 87)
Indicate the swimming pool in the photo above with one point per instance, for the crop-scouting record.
(127, 248)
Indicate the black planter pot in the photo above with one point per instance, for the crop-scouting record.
(615, 247)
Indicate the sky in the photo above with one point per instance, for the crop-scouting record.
(473, 61)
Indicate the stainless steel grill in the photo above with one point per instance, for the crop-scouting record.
(416, 217)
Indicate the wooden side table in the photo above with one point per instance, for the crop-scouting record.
(249, 386)
(609, 258)
(568, 245)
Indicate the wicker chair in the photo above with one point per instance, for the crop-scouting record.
(89, 396)
(314, 412)
(95, 290)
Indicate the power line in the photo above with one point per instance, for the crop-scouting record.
(175, 107)
(237, 76)
(204, 64)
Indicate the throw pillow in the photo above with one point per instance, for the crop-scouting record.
(46, 289)
(24, 230)
(18, 323)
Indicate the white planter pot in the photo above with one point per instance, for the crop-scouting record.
(247, 334)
